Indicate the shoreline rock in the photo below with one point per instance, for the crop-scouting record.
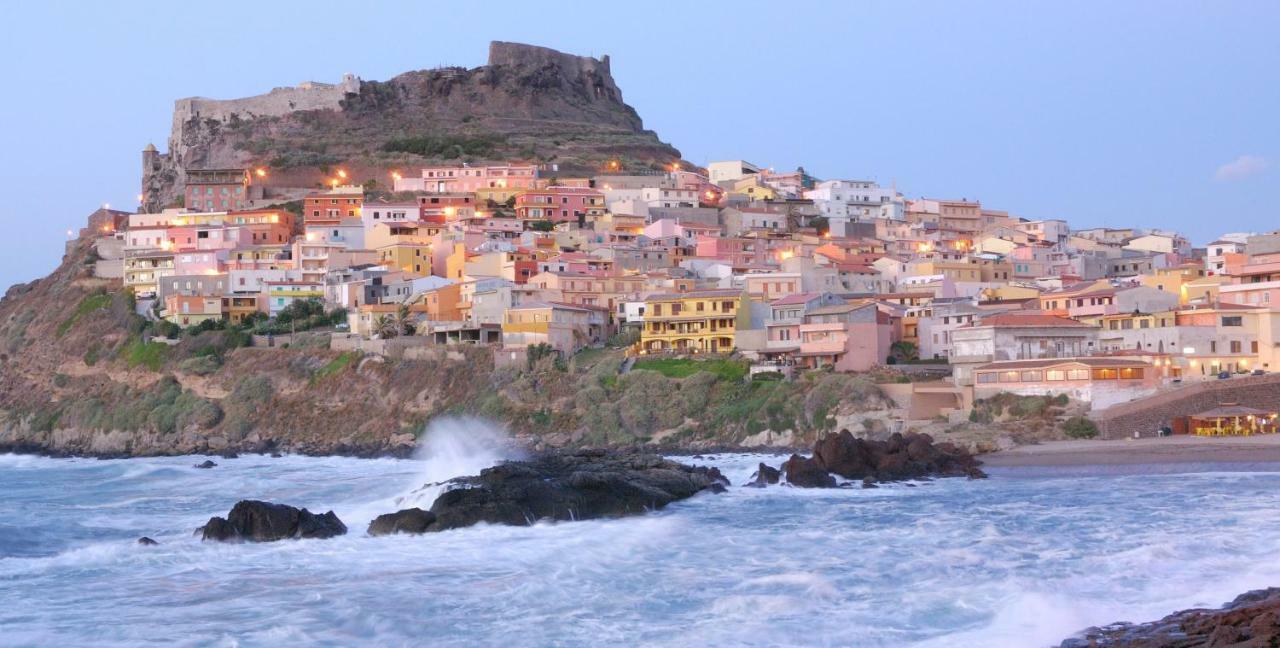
(900, 457)
(410, 521)
(1252, 619)
(258, 521)
(567, 486)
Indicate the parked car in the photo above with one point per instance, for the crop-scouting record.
(1224, 375)
(1259, 372)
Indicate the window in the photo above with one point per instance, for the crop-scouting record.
(1131, 373)
(986, 378)
(1253, 346)
(1078, 374)
(1104, 374)
(1235, 346)
(1055, 374)
(1032, 376)
(1233, 320)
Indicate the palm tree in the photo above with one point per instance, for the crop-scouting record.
(403, 325)
(384, 327)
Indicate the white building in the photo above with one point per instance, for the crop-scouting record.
(730, 170)
(845, 201)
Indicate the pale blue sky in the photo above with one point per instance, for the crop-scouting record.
(1103, 113)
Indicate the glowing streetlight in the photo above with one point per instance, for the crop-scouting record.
(334, 183)
(69, 233)
(342, 174)
(395, 175)
(260, 172)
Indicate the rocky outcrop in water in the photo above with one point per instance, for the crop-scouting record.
(147, 542)
(206, 464)
(806, 472)
(580, 485)
(256, 521)
(910, 456)
(764, 475)
(1251, 620)
(412, 521)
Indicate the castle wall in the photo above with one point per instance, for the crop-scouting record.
(280, 101)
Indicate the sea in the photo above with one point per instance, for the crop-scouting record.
(1027, 557)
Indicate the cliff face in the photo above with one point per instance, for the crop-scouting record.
(528, 103)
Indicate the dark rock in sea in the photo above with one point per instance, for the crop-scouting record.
(414, 520)
(1252, 619)
(147, 542)
(276, 455)
(868, 482)
(910, 456)
(806, 472)
(229, 454)
(764, 476)
(208, 463)
(257, 521)
(579, 485)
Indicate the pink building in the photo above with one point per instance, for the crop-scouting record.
(737, 252)
(847, 337)
(1256, 284)
(469, 179)
(560, 204)
(199, 262)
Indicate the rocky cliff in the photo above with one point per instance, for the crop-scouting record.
(527, 103)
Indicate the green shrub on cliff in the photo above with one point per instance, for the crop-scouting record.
(146, 354)
(335, 366)
(724, 369)
(448, 147)
(1079, 427)
(91, 303)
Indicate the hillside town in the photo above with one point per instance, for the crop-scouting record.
(787, 271)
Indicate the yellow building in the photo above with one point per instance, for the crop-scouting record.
(413, 258)
(1176, 280)
(753, 189)
(700, 321)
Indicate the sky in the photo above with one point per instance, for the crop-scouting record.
(1142, 113)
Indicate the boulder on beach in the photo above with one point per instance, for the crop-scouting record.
(909, 456)
(414, 520)
(257, 521)
(580, 485)
(208, 463)
(1252, 619)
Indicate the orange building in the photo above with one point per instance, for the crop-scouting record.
(330, 207)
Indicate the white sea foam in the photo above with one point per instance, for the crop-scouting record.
(1002, 562)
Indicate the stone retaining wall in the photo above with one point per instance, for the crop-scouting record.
(1146, 416)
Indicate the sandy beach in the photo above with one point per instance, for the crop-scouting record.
(1167, 450)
